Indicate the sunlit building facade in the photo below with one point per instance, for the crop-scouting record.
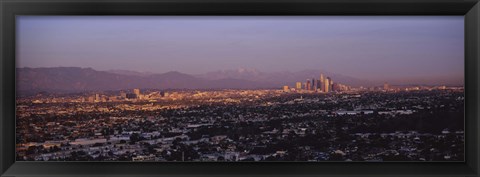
(327, 85)
(322, 83)
(298, 85)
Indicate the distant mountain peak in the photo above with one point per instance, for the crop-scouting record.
(75, 79)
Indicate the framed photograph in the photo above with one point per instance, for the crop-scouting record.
(249, 88)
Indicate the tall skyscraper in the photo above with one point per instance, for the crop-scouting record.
(326, 89)
(330, 84)
(322, 83)
(308, 85)
(314, 84)
(285, 88)
(298, 85)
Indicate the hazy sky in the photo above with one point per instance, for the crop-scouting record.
(368, 47)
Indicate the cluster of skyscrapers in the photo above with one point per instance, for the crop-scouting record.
(323, 84)
(135, 95)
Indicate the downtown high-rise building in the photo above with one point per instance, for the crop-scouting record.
(331, 85)
(319, 85)
(314, 84)
(326, 88)
(322, 83)
(308, 85)
(298, 85)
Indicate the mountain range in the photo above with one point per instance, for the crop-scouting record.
(75, 79)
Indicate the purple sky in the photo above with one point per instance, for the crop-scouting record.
(368, 47)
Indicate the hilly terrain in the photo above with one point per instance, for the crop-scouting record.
(75, 79)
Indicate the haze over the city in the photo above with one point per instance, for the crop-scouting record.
(400, 50)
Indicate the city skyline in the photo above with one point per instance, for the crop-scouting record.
(231, 89)
(382, 49)
(34, 80)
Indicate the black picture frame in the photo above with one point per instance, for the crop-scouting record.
(11, 8)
